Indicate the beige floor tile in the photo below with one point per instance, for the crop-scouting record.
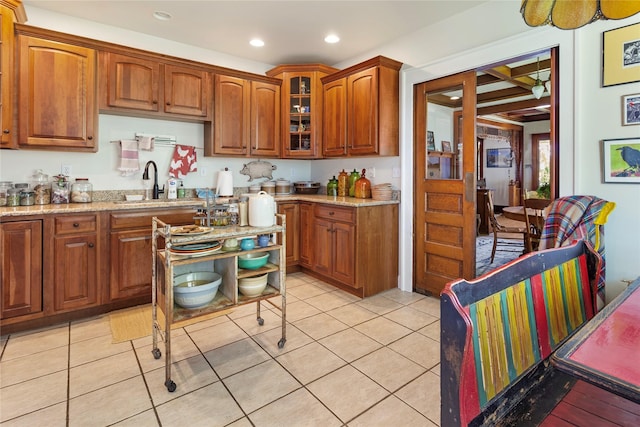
(310, 362)
(383, 330)
(148, 340)
(300, 310)
(428, 305)
(352, 314)
(325, 286)
(235, 357)
(102, 372)
(260, 385)
(207, 323)
(379, 304)
(420, 349)
(347, 392)
(328, 301)
(391, 412)
(32, 395)
(188, 375)
(411, 318)
(402, 297)
(182, 347)
(269, 340)
(320, 326)
(295, 280)
(242, 422)
(210, 406)
(432, 331)
(110, 404)
(299, 408)
(52, 416)
(95, 348)
(34, 365)
(436, 369)
(250, 324)
(388, 368)
(145, 419)
(32, 342)
(248, 309)
(277, 301)
(216, 336)
(423, 395)
(350, 344)
(90, 328)
(306, 291)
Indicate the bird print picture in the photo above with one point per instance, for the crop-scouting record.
(621, 158)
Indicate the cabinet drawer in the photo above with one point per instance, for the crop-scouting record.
(76, 224)
(121, 220)
(335, 213)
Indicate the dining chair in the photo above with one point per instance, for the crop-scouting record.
(534, 218)
(506, 244)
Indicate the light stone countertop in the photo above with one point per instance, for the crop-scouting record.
(56, 209)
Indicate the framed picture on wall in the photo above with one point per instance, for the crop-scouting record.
(631, 109)
(431, 142)
(446, 146)
(621, 55)
(499, 158)
(621, 160)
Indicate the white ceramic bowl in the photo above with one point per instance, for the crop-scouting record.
(252, 286)
(197, 289)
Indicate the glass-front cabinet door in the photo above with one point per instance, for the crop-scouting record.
(301, 109)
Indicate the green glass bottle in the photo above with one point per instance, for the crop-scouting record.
(332, 187)
(353, 177)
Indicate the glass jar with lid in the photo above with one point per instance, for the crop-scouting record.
(4, 188)
(41, 187)
(27, 197)
(13, 197)
(81, 191)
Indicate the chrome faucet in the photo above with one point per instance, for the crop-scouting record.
(156, 190)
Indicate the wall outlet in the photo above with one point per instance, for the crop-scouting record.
(371, 171)
(395, 173)
(65, 170)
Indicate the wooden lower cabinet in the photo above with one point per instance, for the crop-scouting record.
(305, 234)
(291, 211)
(355, 248)
(21, 272)
(130, 240)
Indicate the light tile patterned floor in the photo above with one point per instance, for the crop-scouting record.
(371, 362)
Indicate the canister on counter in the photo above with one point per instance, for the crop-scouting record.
(81, 191)
(27, 197)
(13, 197)
(42, 188)
(243, 210)
(4, 189)
(269, 187)
(343, 184)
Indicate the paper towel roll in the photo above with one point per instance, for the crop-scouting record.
(225, 183)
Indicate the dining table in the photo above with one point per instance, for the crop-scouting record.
(606, 351)
(517, 213)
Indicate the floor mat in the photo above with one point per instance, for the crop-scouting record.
(133, 323)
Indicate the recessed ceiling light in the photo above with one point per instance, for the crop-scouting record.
(162, 16)
(256, 43)
(332, 38)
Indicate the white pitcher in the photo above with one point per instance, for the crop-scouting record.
(262, 210)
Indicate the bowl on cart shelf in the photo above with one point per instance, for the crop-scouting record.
(195, 289)
(253, 260)
(253, 286)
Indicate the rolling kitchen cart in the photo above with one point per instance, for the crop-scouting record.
(225, 263)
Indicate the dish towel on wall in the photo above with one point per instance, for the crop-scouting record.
(128, 157)
(184, 161)
(145, 142)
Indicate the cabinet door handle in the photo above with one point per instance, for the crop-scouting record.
(91, 245)
(331, 213)
(5, 131)
(154, 102)
(168, 103)
(75, 224)
(89, 138)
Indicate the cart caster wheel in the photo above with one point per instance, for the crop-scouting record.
(157, 354)
(281, 342)
(171, 386)
(260, 321)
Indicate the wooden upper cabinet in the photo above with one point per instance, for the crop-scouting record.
(10, 11)
(371, 114)
(57, 95)
(187, 91)
(129, 82)
(153, 88)
(264, 129)
(246, 118)
(334, 132)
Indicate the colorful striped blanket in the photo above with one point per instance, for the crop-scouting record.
(578, 218)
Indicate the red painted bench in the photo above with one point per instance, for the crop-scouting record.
(499, 330)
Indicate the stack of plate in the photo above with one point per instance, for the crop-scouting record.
(196, 249)
(381, 192)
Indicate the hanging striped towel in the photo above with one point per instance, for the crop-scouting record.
(128, 157)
